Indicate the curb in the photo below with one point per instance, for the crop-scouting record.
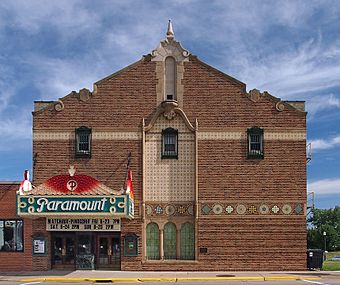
(170, 279)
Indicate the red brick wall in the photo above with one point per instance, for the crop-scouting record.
(225, 175)
(14, 261)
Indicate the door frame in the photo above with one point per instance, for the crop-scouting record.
(110, 236)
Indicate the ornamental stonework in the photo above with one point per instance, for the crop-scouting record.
(169, 209)
(219, 209)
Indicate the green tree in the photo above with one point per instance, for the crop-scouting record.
(328, 221)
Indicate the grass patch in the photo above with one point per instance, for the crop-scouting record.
(329, 265)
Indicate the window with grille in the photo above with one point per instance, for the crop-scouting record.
(187, 241)
(11, 235)
(170, 143)
(152, 241)
(83, 142)
(169, 241)
(255, 143)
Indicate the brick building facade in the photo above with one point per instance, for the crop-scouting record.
(219, 174)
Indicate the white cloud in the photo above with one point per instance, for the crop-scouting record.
(16, 133)
(319, 103)
(325, 186)
(319, 144)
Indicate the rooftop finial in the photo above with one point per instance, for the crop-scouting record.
(170, 32)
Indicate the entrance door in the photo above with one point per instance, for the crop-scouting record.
(63, 251)
(108, 252)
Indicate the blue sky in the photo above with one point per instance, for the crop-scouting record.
(289, 48)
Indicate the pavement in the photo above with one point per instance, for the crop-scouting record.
(159, 276)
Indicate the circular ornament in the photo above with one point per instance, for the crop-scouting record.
(148, 210)
(264, 209)
(241, 209)
(169, 210)
(279, 106)
(217, 209)
(59, 106)
(72, 185)
(286, 209)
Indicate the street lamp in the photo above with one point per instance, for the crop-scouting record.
(324, 238)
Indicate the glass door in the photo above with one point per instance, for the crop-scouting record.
(63, 251)
(108, 252)
(85, 252)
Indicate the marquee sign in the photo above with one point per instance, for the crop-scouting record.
(39, 205)
(83, 224)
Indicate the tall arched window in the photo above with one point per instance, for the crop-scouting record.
(170, 78)
(170, 245)
(152, 241)
(187, 241)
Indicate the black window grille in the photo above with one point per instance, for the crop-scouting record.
(255, 143)
(170, 143)
(83, 142)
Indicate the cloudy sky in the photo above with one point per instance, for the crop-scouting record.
(289, 48)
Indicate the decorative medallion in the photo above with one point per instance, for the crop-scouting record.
(264, 209)
(280, 106)
(148, 209)
(229, 209)
(84, 94)
(159, 210)
(72, 185)
(169, 210)
(252, 209)
(217, 209)
(241, 209)
(298, 209)
(181, 210)
(206, 209)
(275, 209)
(170, 115)
(286, 209)
(254, 95)
(191, 210)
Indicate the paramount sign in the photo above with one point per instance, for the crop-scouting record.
(118, 205)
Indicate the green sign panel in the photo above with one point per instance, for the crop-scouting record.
(121, 205)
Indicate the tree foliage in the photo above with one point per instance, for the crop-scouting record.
(328, 221)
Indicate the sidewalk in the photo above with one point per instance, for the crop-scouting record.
(134, 276)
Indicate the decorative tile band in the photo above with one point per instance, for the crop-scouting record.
(61, 136)
(252, 209)
(169, 209)
(55, 136)
(296, 136)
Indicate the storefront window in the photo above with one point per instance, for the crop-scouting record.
(11, 235)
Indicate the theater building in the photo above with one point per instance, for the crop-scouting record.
(167, 164)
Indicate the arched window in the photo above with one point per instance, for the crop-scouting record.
(187, 241)
(152, 241)
(170, 245)
(170, 78)
(170, 143)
